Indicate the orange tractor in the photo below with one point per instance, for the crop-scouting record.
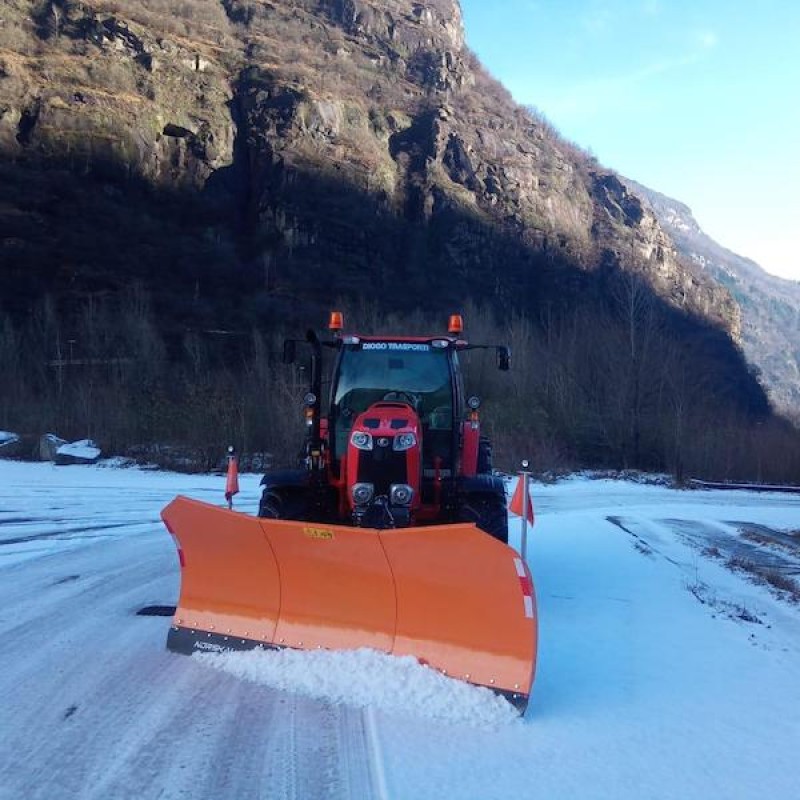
(392, 535)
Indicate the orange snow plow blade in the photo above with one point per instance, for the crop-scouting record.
(450, 595)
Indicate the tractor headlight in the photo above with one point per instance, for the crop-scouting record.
(362, 493)
(361, 441)
(401, 494)
(405, 441)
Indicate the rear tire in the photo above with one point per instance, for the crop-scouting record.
(489, 513)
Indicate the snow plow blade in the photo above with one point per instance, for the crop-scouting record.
(449, 595)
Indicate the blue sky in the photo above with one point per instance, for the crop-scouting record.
(698, 100)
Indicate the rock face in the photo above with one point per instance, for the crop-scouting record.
(770, 306)
(282, 152)
(49, 444)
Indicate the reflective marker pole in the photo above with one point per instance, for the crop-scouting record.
(232, 478)
(524, 543)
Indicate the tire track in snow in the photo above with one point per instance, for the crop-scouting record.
(97, 708)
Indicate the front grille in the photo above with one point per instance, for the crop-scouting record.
(382, 466)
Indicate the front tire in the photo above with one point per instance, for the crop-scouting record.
(282, 504)
(488, 512)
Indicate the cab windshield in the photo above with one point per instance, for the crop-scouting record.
(408, 372)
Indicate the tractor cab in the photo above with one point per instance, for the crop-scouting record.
(420, 374)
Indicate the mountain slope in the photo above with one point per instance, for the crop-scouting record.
(179, 181)
(251, 142)
(770, 305)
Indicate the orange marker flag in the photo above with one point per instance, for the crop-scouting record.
(515, 506)
(232, 482)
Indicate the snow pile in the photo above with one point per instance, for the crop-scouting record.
(366, 678)
(83, 451)
(119, 462)
(11, 445)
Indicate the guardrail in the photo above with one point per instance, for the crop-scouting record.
(694, 483)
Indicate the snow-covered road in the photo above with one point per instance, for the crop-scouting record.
(93, 706)
(662, 673)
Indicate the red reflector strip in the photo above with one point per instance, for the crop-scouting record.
(526, 585)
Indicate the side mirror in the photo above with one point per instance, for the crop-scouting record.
(503, 359)
(289, 351)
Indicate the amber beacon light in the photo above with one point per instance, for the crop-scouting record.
(456, 324)
(337, 321)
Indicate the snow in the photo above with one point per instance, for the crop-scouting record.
(7, 436)
(368, 679)
(85, 449)
(651, 680)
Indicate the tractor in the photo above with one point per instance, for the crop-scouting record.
(401, 442)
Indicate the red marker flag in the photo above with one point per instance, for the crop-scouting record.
(232, 483)
(515, 506)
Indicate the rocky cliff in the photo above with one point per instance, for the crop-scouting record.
(770, 306)
(253, 157)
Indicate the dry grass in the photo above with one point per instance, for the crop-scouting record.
(186, 18)
(770, 541)
(765, 576)
(757, 538)
(12, 57)
(705, 596)
(783, 582)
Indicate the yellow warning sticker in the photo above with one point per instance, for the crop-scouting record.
(318, 533)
